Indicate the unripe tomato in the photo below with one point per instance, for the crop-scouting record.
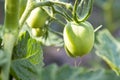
(78, 38)
(37, 18)
(38, 32)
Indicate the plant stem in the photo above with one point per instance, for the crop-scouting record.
(32, 5)
(50, 3)
(65, 15)
(8, 47)
(75, 10)
(11, 25)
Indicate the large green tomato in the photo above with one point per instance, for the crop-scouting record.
(37, 18)
(78, 38)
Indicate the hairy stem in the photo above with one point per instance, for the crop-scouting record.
(32, 5)
(11, 25)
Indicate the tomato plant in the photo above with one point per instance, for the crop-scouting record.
(32, 25)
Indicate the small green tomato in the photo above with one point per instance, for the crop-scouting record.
(38, 32)
(78, 38)
(37, 18)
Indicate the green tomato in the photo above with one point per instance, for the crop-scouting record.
(78, 38)
(38, 32)
(22, 5)
(37, 18)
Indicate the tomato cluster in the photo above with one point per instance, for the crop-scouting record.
(37, 20)
(78, 36)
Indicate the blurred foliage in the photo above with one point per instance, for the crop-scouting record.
(27, 58)
(108, 48)
(111, 11)
(65, 72)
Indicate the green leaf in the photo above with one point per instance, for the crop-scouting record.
(66, 72)
(20, 50)
(22, 69)
(108, 48)
(28, 56)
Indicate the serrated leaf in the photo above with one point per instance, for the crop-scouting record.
(27, 55)
(66, 72)
(108, 48)
(22, 69)
(34, 51)
(20, 50)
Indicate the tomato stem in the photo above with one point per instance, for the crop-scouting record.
(29, 8)
(32, 5)
(51, 3)
(11, 25)
(75, 10)
(65, 15)
(98, 28)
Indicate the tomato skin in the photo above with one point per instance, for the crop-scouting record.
(37, 18)
(78, 38)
